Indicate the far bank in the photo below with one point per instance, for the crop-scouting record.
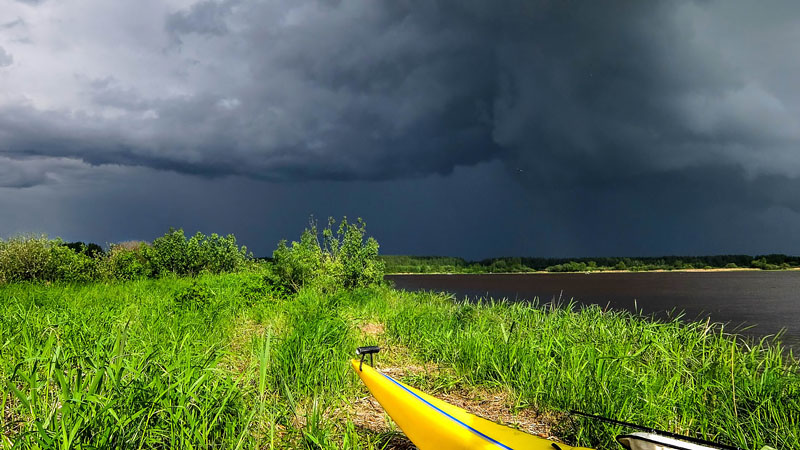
(755, 303)
(446, 264)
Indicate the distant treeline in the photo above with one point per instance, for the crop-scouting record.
(444, 264)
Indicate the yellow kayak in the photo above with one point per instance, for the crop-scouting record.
(432, 424)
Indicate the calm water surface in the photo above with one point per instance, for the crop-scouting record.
(765, 301)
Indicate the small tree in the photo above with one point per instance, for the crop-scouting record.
(214, 254)
(170, 253)
(358, 257)
(300, 263)
(68, 265)
(25, 258)
(344, 259)
(127, 261)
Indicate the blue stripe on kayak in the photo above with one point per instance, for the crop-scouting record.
(500, 444)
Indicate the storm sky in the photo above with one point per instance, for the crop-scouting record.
(463, 128)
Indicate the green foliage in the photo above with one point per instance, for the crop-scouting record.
(257, 288)
(173, 253)
(170, 253)
(194, 297)
(91, 249)
(312, 356)
(442, 264)
(571, 266)
(26, 258)
(353, 259)
(117, 365)
(126, 262)
(344, 259)
(37, 258)
(102, 366)
(300, 263)
(215, 254)
(763, 264)
(72, 266)
(669, 375)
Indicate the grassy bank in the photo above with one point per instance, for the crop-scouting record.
(226, 361)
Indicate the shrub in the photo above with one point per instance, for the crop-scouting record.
(353, 259)
(762, 264)
(173, 253)
(215, 254)
(194, 297)
(91, 249)
(37, 258)
(258, 288)
(69, 265)
(25, 258)
(126, 261)
(170, 253)
(343, 260)
(571, 266)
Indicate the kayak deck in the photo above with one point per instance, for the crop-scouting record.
(431, 423)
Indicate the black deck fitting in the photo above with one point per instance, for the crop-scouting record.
(363, 351)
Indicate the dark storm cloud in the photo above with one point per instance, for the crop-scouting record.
(31, 172)
(286, 91)
(593, 97)
(600, 92)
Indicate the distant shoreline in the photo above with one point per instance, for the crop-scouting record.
(591, 272)
(407, 264)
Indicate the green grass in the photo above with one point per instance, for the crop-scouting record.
(673, 376)
(223, 361)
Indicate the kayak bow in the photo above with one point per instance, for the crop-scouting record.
(431, 423)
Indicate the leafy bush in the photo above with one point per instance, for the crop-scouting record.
(126, 261)
(360, 266)
(343, 260)
(170, 253)
(91, 249)
(296, 265)
(571, 266)
(37, 258)
(194, 297)
(259, 288)
(215, 254)
(763, 264)
(68, 265)
(25, 258)
(173, 253)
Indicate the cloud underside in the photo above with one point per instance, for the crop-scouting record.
(576, 95)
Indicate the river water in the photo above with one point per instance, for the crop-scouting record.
(766, 302)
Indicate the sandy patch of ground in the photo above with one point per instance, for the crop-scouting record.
(372, 329)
